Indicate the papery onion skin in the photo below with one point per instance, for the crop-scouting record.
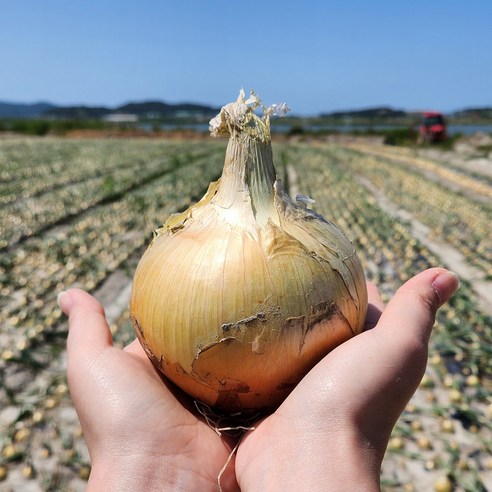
(236, 299)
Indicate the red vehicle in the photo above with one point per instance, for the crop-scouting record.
(432, 128)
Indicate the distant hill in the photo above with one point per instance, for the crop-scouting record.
(146, 109)
(474, 114)
(14, 110)
(382, 112)
(162, 110)
(77, 112)
(157, 109)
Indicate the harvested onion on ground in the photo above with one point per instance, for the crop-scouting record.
(238, 297)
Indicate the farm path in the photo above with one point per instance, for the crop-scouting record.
(456, 178)
(452, 258)
(472, 154)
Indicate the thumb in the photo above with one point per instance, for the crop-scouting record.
(399, 342)
(396, 349)
(413, 308)
(88, 331)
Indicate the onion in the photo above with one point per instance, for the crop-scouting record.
(237, 298)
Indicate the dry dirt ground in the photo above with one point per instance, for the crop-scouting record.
(59, 459)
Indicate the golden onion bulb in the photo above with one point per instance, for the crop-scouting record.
(238, 297)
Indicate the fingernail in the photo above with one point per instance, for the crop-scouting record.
(445, 285)
(59, 298)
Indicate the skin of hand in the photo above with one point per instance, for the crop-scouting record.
(329, 434)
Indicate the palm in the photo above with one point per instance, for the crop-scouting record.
(329, 402)
(194, 446)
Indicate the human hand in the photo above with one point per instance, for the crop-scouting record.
(332, 430)
(140, 435)
(330, 433)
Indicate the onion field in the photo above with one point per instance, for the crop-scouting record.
(80, 212)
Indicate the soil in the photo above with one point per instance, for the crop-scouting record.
(60, 459)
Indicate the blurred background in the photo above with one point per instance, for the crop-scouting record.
(104, 111)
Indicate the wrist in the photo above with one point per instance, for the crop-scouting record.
(113, 478)
(149, 474)
(338, 462)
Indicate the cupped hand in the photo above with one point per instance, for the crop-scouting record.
(332, 431)
(329, 434)
(140, 436)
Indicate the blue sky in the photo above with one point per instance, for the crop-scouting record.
(315, 55)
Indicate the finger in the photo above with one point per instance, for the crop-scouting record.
(413, 309)
(88, 331)
(400, 340)
(374, 308)
(396, 349)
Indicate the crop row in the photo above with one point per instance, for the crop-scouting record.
(390, 253)
(84, 246)
(90, 246)
(453, 218)
(52, 160)
(31, 168)
(478, 184)
(91, 178)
